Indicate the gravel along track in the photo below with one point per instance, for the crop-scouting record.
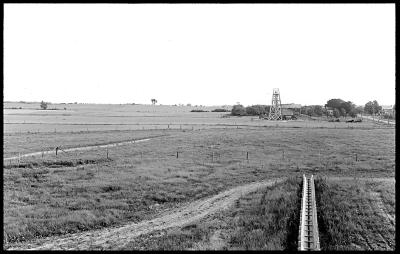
(115, 238)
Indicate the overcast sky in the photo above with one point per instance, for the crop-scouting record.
(210, 54)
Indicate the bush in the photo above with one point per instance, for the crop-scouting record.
(198, 110)
(43, 105)
(238, 110)
(256, 110)
(220, 110)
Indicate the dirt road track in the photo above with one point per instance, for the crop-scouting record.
(91, 147)
(115, 238)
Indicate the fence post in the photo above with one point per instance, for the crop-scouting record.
(247, 156)
(283, 154)
(177, 154)
(19, 158)
(356, 157)
(319, 156)
(107, 153)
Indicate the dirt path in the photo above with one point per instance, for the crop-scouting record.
(115, 238)
(91, 147)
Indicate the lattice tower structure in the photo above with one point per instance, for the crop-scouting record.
(275, 111)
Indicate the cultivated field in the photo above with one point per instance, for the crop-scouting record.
(190, 170)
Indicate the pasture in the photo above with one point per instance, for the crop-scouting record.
(188, 157)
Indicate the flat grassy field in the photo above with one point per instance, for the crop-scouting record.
(91, 117)
(84, 190)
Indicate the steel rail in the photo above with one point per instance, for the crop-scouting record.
(308, 230)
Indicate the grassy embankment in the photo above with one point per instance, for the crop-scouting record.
(83, 190)
(356, 215)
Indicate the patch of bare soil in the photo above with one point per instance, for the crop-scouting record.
(115, 238)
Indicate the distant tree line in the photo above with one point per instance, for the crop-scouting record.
(254, 110)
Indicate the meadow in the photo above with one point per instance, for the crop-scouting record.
(85, 190)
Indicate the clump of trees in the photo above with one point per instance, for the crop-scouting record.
(238, 110)
(342, 108)
(313, 110)
(372, 107)
(254, 110)
(220, 110)
(198, 110)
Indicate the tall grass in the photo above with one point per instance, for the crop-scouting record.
(267, 219)
(349, 219)
(272, 222)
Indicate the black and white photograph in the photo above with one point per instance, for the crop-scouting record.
(192, 127)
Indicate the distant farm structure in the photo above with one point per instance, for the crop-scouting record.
(279, 111)
(388, 110)
(289, 111)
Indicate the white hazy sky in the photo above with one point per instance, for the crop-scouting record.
(210, 54)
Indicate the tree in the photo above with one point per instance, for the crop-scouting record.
(343, 107)
(309, 111)
(359, 109)
(347, 106)
(353, 112)
(372, 107)
(318, 110)
(336, 112)
(334, 103)
(43, 105)
(256, 110)
(342, 112)
(238, 110)
(153, 101)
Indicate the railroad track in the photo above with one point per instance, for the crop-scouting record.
(308, 231)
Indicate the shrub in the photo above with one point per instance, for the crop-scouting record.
(198, 110)
(256, 110)
(43, 105)
(238, 110)
(220, 110)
